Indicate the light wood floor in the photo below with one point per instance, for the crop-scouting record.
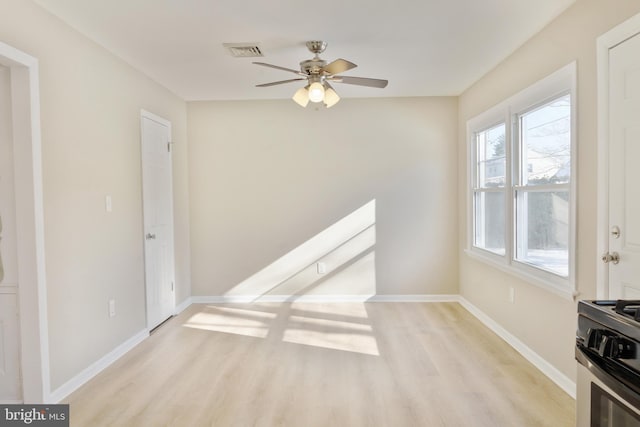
(313, 364)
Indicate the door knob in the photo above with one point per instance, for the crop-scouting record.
(150, 236)
(612, 257)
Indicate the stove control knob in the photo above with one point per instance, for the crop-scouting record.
(607, 346)
(616, 348)
(593, 338)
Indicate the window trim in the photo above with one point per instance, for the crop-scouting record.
(559, 83)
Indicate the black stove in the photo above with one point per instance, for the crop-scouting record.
(608, 343)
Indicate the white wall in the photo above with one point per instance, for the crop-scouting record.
(266, 177)
(544, 321)
(90, 107)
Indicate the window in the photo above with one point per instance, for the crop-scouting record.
(542, 191)
(489, 190)
(521, 186)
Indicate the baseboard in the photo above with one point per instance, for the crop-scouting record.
(225, 299)
(414, 298)
(94, 369)
(184, 305)
(545, 367)
(241, 299)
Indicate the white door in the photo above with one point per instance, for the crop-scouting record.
(10, 380)
(158, 218)
(624, 169)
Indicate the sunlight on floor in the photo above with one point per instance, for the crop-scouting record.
(333, 326)
(251, 323)
(331, 334)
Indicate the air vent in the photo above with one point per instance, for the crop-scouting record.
(244, 50)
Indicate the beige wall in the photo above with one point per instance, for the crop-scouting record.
(544, 321)
(266, 177)
(90, 107)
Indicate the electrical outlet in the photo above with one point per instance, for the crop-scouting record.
(322, 268)
(112, 308)
(512, 294)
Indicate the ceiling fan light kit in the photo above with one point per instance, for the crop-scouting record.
(316, 92)
(318, 74)
(331, 98)
(301, 97)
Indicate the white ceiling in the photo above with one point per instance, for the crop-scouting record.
(423, 47)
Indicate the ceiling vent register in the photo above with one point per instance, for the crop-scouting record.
(244, 50)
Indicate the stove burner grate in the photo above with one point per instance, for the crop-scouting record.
(629, 308)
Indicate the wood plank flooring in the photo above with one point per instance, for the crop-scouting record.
(316, 364)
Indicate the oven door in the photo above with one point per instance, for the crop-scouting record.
(598, 405)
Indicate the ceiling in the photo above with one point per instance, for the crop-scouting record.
(423, 47)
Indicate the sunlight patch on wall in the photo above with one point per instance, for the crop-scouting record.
(346, 246)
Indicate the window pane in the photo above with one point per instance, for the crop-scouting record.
(491, 158)
(542, 230)
(546, 143)
(489, 221)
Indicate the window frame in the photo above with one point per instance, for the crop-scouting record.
(556, 85)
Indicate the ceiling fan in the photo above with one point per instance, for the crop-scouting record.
(318, 74)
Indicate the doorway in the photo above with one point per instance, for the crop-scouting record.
(619, 156)
(10, 378)
(28, 228)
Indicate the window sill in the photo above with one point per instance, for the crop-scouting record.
(565, 292)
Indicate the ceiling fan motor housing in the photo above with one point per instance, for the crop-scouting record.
(312, 66)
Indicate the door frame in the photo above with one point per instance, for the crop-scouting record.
(144, 114)
(606, 42)
(27, 158)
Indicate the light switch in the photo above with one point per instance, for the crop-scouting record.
(107, 204)
(112, 308)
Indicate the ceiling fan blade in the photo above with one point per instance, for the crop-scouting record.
(277, 67)
(360, 81)
(339, 66)
(279, 83)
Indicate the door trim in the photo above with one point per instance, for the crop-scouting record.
(34, 337)
(606, 42)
